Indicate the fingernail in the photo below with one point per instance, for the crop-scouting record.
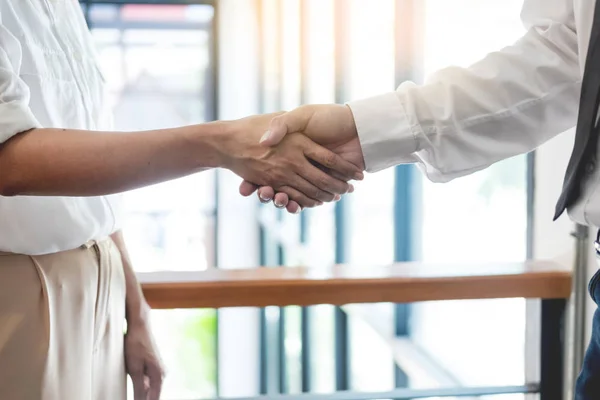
(337, 197)
(265, 136)
(278, 204)
(264, 198)
(297, 210)
(359, 176)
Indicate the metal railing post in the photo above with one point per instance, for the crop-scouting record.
(582, 246)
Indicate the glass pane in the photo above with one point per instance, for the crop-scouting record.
(371, 357)
(481, 217)
(187, 343)
(290, 54)
(371, 221)
(319, 86)
(156, 63)
(320, 253)
(272, 50)
(293, 349)
(371, 48)
(157, 78)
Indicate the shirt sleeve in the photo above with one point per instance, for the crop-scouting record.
(15, 114)
(465, 119)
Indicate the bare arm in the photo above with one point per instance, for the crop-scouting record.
(136, 308)
(41, 161)
(64, 162)
(83, 163)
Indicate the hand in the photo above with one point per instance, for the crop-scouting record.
(143, 362)
(285, 165)
(330, 125)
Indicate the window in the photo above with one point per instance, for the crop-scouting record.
(157, 63)
(482, 217)
(354, 49)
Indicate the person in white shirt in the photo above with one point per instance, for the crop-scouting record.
(66, 282)
(465, 119)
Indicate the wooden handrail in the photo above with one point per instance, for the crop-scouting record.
(344, 284)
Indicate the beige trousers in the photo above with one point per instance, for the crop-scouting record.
(61, 325)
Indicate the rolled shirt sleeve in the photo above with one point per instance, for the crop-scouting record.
(15, 114)
(465, 119)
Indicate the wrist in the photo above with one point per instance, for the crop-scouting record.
(349, 126)
(224, 142)
(138, 314)
(208, 144)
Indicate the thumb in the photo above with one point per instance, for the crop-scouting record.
(289, 122)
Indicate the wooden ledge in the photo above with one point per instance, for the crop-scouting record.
(344, 284)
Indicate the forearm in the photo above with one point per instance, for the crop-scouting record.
(136, 308)
(65, 162)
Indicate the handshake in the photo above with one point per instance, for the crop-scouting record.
(298, 159)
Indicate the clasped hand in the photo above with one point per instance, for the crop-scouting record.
(300, 158)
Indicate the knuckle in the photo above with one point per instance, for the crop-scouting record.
(332, 185)
(277, 120)
(318, 194)
(323, 181)
(292, 164)
(330, 160)
(276, 176)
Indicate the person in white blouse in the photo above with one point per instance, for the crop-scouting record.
(465, 119)
(66, 282)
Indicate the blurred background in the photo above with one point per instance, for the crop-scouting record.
(172, 63)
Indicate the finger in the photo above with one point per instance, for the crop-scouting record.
(281, 200)
(310, 188)
(323, 181)
(332, 161)
(298, 197)
(265, 194)
(156, 380)
(139, 388)
(293, 207)
(247, 188)
(333, 173)
(290, 122)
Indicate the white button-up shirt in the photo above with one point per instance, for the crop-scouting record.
(49, 78)
(465, 119)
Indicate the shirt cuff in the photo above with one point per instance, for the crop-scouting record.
(384, 132)
(14, 119)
